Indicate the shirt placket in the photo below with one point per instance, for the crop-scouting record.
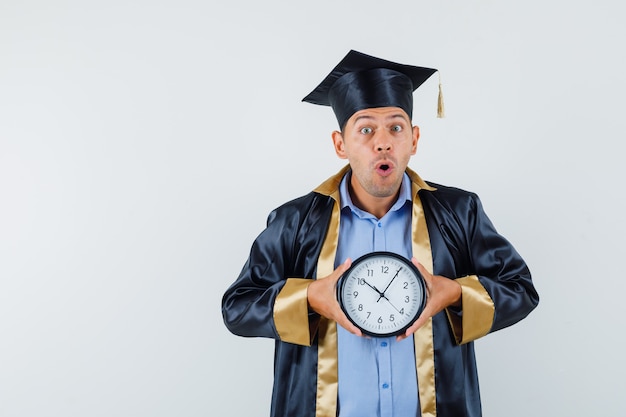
(382, 346)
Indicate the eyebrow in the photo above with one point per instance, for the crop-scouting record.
(393, 116)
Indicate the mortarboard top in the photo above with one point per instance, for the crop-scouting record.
(362, 81)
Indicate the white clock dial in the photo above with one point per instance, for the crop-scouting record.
(382, 293)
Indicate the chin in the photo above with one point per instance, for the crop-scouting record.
(384, 192)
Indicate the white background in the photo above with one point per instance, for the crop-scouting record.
(143, 143)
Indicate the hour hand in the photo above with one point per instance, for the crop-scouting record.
(374, 288)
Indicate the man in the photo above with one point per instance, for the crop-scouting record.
(477, 283)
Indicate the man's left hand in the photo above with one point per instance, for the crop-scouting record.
(442, 292)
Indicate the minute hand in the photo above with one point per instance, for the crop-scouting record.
(382, 294)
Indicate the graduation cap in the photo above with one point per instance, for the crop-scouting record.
(362, 81)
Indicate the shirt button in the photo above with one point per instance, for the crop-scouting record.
(380, 225)
(384, 344)
(385, 386)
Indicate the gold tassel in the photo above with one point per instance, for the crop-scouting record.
(441, 111)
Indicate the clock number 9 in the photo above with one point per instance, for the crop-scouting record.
(356, 294)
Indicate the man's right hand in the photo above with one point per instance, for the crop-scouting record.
(322, 298)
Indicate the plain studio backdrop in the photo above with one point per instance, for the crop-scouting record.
(144, 143)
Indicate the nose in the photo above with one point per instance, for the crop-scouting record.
(383, 142)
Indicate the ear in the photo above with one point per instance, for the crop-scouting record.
(340, 148)
(416, 137)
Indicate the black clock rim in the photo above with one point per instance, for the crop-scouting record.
(404, 260)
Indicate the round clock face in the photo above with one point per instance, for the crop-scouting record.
(382, 294)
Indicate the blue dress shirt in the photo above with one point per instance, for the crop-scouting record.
(377, 376)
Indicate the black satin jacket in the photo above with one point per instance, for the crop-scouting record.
(463, 242)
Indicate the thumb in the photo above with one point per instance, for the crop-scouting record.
(421, 268)
(341, 269)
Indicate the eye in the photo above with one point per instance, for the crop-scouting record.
(366, 130)
(396, 128)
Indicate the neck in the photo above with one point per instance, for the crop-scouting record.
(376, 206)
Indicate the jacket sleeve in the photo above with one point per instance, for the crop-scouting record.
(497, 289)
(269, 298)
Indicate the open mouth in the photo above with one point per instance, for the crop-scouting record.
(384, 168)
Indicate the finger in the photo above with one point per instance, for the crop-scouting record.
(426, 275)
(421, 320)
(344, 266)
(337, 273)
(344, 322)
(341, 318)
(351, 328)
(425, 272)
